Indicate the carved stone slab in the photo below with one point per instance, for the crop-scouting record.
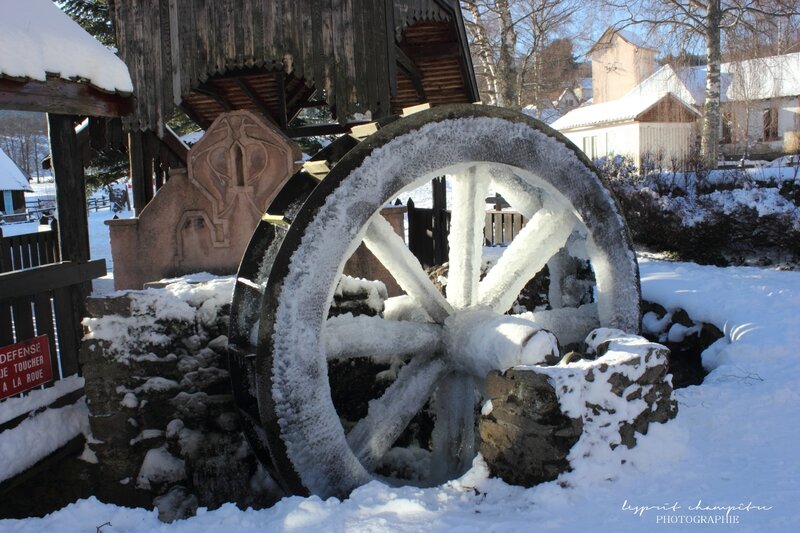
(201, 220)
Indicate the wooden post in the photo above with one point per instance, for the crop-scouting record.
(138, 179)
(70, 188)
(440, 233)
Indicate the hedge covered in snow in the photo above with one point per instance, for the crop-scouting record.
(722, 217)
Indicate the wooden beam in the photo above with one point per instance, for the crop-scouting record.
(138, 179)
(73, 226)
(313, 103)
(208, 89)
(322, 129)
(248, 91)
(432, 51)
(464, 56)
(175, 144)
(412, 70)
(190, 112)
(73, 447)
(18, 283)
(282, 112)
(65, 97)
(67, 399)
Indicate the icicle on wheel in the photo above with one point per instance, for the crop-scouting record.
(293, 264)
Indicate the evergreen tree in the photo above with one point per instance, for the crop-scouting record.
(94, 16)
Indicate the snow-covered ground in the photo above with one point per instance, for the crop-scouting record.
(729, 456)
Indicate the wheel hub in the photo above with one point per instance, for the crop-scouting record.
(477, 341)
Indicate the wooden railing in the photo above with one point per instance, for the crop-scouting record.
(96, 204)
(501, 226)
(29, 250)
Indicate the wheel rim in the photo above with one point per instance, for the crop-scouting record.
(518, 155)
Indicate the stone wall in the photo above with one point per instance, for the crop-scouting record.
(164, 424)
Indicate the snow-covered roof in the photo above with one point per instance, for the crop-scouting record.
(752, 79)
(626, 108)
(11, 177)
(37, 39)
(547, 115)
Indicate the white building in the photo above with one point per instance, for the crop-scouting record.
(659, 116)
(13, 186)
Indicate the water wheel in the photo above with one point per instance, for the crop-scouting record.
(282, 338)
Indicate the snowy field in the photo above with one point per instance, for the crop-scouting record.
(729, 457)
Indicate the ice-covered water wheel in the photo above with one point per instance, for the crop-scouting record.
(454, 340)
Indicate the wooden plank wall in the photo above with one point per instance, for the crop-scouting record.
(343, 47)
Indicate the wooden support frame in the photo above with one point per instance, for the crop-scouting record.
(412, 71)
(200, 121)
(210, 90)
(282, 110)
(70, 188)
(136, 153)
(322, 129)
(248, 91)
(68, 97)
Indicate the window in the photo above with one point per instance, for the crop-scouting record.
(770, 124)
(590, 146)
(727, 127)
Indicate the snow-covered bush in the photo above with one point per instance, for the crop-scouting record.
(734, 216)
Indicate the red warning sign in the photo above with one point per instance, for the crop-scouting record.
(24, 365)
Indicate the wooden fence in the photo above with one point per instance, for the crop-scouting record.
(47, 300)
(29, 250)
(40, 295)
(501, 227)
(428, 230)
(96, 204)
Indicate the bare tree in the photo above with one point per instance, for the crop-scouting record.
(709, 20)
(23, 137)
(508, 38)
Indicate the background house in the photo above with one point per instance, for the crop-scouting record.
(13, 186)
(645, 127)
(661, 112)
(620, 62)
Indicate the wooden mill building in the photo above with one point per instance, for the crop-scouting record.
(359, 59)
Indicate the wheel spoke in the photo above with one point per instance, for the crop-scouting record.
(454, 430)
(521, 195)
(390, 250)
(350, 336)
(568, 324)
(466, 236)
(544, 234)
(404, 307)
(389, 415)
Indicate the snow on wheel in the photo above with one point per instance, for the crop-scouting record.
(451, 341)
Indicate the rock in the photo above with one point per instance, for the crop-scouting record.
(539, 413)
(176, 504)
(108, 305)
(525, 438)
(679, 316)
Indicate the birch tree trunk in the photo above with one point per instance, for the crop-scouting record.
(507, 72)
(484, 50)
(709, 140)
